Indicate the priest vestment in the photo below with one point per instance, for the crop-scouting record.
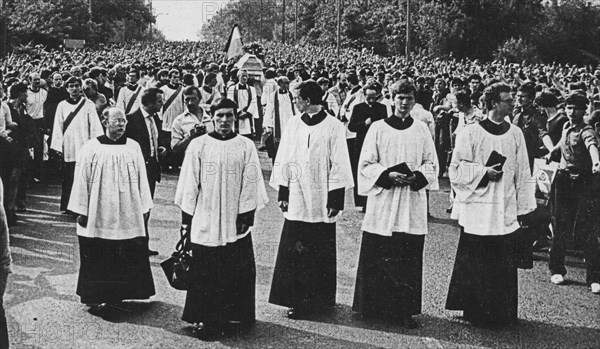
(390, 267)
(221, 187)
(484, 280)
(111, 189)
(312, 171)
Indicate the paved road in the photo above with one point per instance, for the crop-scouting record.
(44, 312)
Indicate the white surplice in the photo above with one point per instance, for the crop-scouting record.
(111, 189)
(311, 162)
(398, 209)
(219, 179)
(492, 209)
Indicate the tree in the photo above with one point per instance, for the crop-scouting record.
(51, 21)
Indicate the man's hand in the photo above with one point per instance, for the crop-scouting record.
(82, 221)
(283, 205)
(596, 168)
(332, 212)
(493, 173)
(368, 121)
(401, 180)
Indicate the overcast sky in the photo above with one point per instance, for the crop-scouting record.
(182, 19)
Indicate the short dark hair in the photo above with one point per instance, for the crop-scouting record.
(491, 94)
(546, 99)
(577, 99)
(373, 85)
(17, 89)
(96, 72)
(150, 95)
(528, 89)
(404, 87)
(209, 77)
(188, 79)
(223, 103)
(310, 90)
(463, 98)
(189, 90)
(353, 79)
(73, 80)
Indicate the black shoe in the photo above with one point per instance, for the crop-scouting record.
(208, 332)
(409, 323)
(152, 252)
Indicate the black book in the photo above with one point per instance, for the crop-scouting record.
(494, 159)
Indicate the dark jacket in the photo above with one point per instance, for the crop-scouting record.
(138, 131)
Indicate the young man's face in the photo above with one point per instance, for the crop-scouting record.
(174, 78)
(132, 78)
(523, 99)
(573, 113)
(404, 102)
(302, 103)
(74, 90)
(191, 102)
(223, 119)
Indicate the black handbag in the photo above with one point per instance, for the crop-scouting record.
(178, 267)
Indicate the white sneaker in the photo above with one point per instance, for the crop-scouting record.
(557, 279)
(595, 287)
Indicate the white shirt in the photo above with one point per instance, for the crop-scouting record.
(111, 188)
(35, 103)
(286, 112)
(125, 95)
(311, 162)
(419, 113)
(493, 209)
(184, 123)
(219, 179)
(399, 209)
(175, 108)
(152, 132)
(85, 126)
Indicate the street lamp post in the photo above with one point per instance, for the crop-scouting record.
(407, 30)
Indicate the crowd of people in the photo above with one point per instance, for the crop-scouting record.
(108, 122)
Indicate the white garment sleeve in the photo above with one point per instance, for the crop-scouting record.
(144, 186)
(525, 182)
(253, 195)
(429, 166)
(339, 168)
(369, 168)
(57, 134)
(188, 187)
(465, 174)
(86, 173)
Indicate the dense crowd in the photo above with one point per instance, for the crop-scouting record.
(165, 95)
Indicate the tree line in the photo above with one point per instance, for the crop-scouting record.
(49, 22)
(516, 30)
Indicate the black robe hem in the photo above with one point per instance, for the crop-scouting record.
(484, 282)
(224, 284)
(305, 270)
(390, 276)
(114, 270)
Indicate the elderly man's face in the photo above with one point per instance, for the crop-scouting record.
(57, 80)
(115, 125)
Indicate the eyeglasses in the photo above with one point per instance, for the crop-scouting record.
(117, 121)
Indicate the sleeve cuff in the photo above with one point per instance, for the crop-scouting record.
(384, 181)
(420, 181)
(186, 218)
(284, 194)
(335, 199)
(246, 218)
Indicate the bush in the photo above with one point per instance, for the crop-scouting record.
(517, 50)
